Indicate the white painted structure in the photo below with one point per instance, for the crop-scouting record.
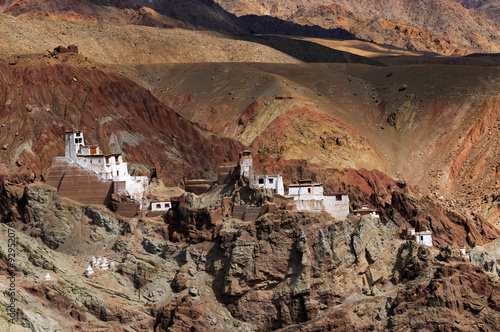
(273, 182)
(246, 163)
(424, 238)
(161, 206)
(365, 210)
(104, 264)
(463, 250)
(310, 196)
(47, 277)
(108, 167)
(337, 204)
(88, 271)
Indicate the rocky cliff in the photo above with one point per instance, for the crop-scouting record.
(287, 271)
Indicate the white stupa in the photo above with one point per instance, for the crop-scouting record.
(112, 265)
(47, 277)
(98, 262)
(104, 264)
(88, 271)
(93, 261)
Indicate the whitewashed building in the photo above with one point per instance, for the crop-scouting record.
(107, 166)
(310, 196)
(161, 206)
(337, 204)
(273, 182)
(424, 237)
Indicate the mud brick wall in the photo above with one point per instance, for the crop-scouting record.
(73, 182)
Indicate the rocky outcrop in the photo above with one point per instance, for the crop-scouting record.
(294, 279)
(487, 257)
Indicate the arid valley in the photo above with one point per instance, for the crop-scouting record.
(201, 165)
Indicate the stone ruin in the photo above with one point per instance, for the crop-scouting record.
(61, 49)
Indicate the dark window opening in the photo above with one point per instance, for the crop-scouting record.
(261, 181)
(308, 190)
(271, 181)
(158, 206)
(338, 197)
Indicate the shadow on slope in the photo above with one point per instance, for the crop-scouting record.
(190, 14)
(309, 52)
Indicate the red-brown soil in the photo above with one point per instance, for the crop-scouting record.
(43, 96)
(434, 125)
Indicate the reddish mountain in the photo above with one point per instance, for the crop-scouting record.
(42, 96)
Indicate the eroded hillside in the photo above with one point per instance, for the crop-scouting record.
(435, 125)
(443, 26)
(42, 96)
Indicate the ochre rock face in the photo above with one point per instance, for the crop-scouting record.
(42, 97)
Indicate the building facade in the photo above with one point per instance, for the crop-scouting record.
(310, 196)
(273, 182)
(107, 166)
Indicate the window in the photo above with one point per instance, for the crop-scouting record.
(271, 181)
(117, 173)
(107, 160)
(308, 190)
(422, 238)
(338, 197)
(261, 181)
(158, 206)
(116, 159)
(78, 140)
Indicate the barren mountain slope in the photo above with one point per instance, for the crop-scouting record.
(442, 26)
(130, 44)
(172, 13)
(41, 97)
(435, 125)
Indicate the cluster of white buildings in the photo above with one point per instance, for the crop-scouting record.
(109, 167)
(98, 263)
(307, 195)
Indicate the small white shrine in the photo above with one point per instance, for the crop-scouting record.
(365, 210)
(104, 264)
(47, 277)
(89, 271)
(424, 237)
